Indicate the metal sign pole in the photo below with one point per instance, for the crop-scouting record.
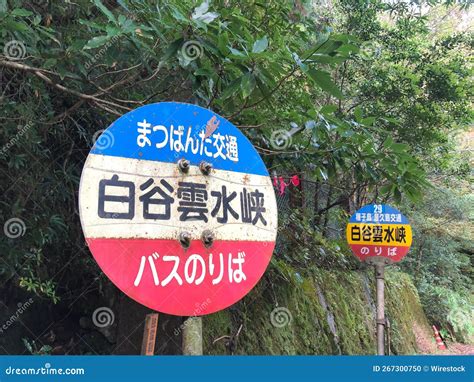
(379, 278)
(192, 336)
(379, 235)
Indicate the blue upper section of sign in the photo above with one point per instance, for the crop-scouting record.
(169, 131)
(380, 214)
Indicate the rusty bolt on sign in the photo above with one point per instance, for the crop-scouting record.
(207, 238)
(183, 165)
(205, 168)
(185, 239)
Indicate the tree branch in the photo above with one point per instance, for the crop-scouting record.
(88, 97)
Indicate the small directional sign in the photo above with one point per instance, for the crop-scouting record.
(378, 230)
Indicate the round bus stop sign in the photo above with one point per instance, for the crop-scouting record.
(178, 209)
(379, 231)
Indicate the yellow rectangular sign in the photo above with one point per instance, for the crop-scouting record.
(379, 234)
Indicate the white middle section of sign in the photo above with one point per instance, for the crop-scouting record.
(100, 167)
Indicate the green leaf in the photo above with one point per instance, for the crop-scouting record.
(206, 72)
(397, 195)
(327, 47)
(236, 52)
(358, 113)
(326, 59)
(123, 5)
(105, 11)
(47, 32)
(348, 48)
(91, 24)
(267, 77)
(399, 147)
(27, 345)
(369, 121)
(388, 142)
(21, 12)
(392, 120)
(328, 109)
(248, 84)
(324, 81)
(112, 31)
(222, 42)
(178, 15)
(172, 49)
(49, 63)
(260, 45)
(387, 189)
(265, 90)
(345, 38)
(46, 348)
(62, 71)
(16, 26)
(96, 42)
(231, 88)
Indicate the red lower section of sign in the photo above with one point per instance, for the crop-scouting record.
(395, 253)
(163, 276)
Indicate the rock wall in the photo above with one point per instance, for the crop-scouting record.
(323, 312)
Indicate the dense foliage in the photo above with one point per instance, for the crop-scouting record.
(363, 98)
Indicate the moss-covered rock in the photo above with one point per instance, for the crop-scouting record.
(404, 310)
(323, 312)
